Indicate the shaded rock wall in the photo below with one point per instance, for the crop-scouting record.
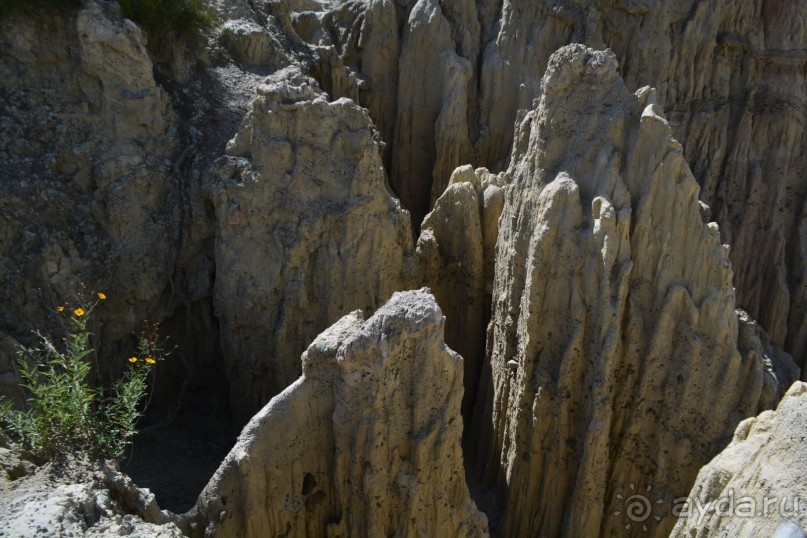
(87, 190)
(613, 353)
(365, 443)
(455, 251)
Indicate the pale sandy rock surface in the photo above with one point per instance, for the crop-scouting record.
(233, 187)
(758, 483)
(613, 357)
(442, 83)
(365, 443)
(306, 230)
(55, 501)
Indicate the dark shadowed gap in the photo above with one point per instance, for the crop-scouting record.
(188, 427)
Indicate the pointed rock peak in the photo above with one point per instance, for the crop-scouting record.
(577, 64)
(613, 311)
(409, 311)
(365, 443)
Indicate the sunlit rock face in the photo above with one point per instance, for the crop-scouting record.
(613, 347)
(306, 231)
(365, 443)
(756, 486)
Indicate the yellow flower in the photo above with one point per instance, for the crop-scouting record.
(79, 311)
(102, 296)
(150, 360)
(60, 308)
(133, 359)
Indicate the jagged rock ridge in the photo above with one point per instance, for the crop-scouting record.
(600, 319)
(613, 350)
(455, 251)
(445, 81)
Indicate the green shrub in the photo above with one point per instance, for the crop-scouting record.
(184, 17)
(64, 415)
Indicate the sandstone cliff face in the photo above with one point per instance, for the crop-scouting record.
(613, 353)
(445, 81)
(757, 484)
(365, 443)
(306, 230)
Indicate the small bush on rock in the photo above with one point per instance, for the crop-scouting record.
(64, 415)
(184, 17)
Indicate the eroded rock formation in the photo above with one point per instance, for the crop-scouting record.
(306, 230)
(445, 82)
(614, 359)
(365, 443)
(757, 483)
(59, 500)
(613, 353)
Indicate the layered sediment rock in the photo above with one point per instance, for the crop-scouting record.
(365, 443)
(306, 230)
(757, 484)
(614, 359)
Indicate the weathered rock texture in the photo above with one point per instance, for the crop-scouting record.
(87, 191)
(365, 443)
(257, 36)
(54, 501)
(455, 251)
(444, 81)
(306, 230)
(614, 340)
(94, 188)
(759, 482)
(613, 350)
